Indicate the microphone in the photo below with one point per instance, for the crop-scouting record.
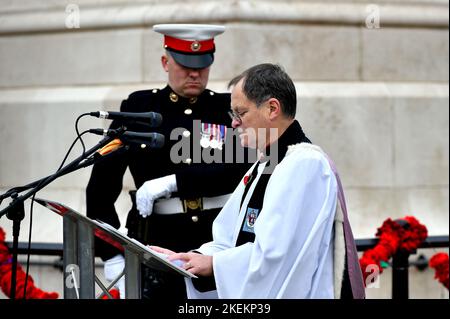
(104, 132)
(152, 118)
(152, 140)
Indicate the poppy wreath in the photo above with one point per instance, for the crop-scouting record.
(405, 234)
(439, 262)
(32, 292)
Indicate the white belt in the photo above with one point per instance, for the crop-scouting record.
(177, 206)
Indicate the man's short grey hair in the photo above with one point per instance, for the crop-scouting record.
(264, 81)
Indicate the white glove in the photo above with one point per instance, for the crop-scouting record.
(152, 190)
(113, 268)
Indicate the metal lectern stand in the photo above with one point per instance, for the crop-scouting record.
(78, 256)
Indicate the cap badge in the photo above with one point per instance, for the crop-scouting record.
(173, 97)
(195, 46)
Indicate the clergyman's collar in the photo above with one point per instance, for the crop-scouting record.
(293, 135)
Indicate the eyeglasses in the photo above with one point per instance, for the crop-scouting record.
(236, 116)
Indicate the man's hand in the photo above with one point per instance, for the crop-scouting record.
(195, 263)
(152, 190)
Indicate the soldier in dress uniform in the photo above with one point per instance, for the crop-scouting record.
(180, 194)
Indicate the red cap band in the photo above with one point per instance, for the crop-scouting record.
(188, 46)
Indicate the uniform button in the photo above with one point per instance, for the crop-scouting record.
(173, 97)
(195, 219)
(143, 146)
(188, 161)
(186, 133)
(154, 90)
(188, 111)
(211, 93)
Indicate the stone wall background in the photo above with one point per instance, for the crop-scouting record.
(375, 98)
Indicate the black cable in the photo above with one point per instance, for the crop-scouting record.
(28, 249)
(78, 133)
(79, 137)
(71, 147)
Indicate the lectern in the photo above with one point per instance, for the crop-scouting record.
(78, 255)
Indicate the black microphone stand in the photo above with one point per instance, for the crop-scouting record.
(15, 210)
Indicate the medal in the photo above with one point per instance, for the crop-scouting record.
(216, 137)
(212, 135)
(206, 135)
(214, 143)
(204, 141)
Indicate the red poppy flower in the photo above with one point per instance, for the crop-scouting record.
(115, 294)
(440, 263)
(393, 237)
(32, 292)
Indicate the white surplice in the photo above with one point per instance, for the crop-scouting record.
(292, 254)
